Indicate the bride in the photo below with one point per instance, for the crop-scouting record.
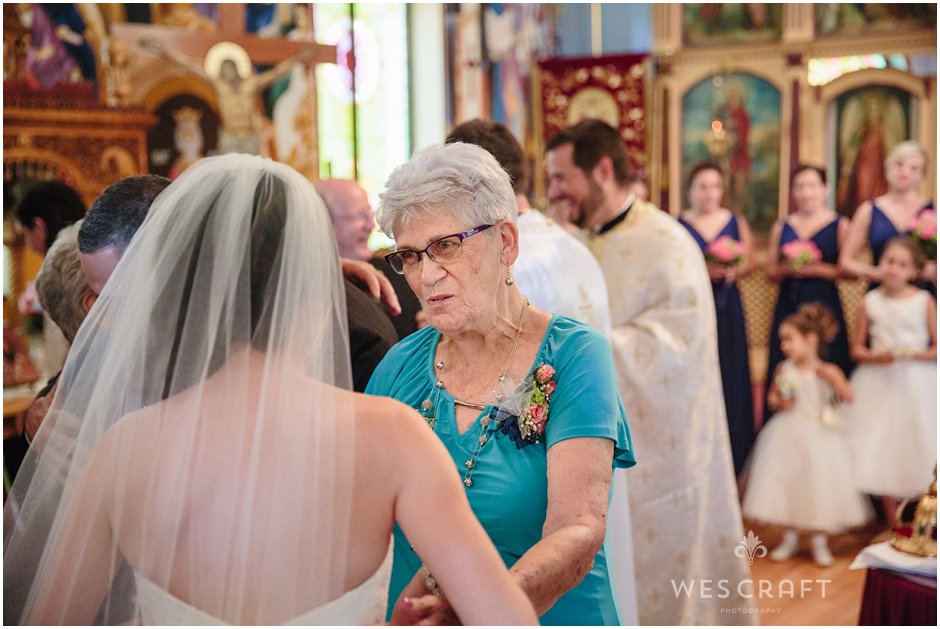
(204, 460)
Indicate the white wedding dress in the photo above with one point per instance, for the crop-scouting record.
(363, 605)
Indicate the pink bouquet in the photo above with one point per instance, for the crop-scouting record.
(799, 253)
(924, 230)
(726, 251)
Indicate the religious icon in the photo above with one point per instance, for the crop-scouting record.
(870, 121)
(594, 103)
(738, 125)
(228, 69)
(734, 119)
(188, 139)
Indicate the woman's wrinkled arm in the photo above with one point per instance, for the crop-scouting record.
(579, 474)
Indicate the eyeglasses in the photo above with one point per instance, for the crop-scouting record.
(441, 250)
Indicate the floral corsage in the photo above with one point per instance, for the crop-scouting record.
(528, 427)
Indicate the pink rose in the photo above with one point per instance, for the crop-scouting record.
(544, 373)
(537, 412)
(549, 389)
(540, 428)
(726, 250)
(800, 252)
(924, 224)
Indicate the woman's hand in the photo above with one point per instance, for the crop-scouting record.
(425, 610)
(777, 402)
(716, 272)
(810, 269)
(881, 358)
(929, 272)
(367, 277)
(837, 380)
(873, 274)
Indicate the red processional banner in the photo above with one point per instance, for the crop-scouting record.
(612, 89)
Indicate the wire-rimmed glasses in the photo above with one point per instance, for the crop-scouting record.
(441, 250)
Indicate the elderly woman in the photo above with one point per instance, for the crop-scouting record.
(879, 220)
(525, 401)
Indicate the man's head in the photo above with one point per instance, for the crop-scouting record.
(352, 216)
(112, 221)
(496, 138)
(44, 210)
(63, 290)
(586, 163)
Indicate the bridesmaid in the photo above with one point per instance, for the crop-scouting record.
(813, 221)
(707, 221)
(879, 220)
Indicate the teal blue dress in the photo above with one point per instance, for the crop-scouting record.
(509, 483)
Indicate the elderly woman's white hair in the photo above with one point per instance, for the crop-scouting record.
(903, 150)
(61, 283)
(462, 178)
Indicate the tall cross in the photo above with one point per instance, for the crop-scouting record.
(261, 50)
(187, 48)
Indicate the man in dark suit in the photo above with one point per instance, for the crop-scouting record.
(352, 217)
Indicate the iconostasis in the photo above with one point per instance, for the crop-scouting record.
(760, 88)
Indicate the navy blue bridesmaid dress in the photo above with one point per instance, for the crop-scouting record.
(796, 291)
(881, 230)
(732, 355)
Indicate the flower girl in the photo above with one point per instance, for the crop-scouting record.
(800, 475)
(893, 420)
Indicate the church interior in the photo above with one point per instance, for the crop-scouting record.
(97, 92)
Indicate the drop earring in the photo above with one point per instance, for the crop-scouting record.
(509, 280)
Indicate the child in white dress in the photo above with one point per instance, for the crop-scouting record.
(893, 421)
(800, 473)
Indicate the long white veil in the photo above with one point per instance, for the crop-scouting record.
(197, 441)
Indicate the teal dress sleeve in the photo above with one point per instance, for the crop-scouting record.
(586, 402)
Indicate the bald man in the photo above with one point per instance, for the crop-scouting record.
(352, 216)
(352, 219)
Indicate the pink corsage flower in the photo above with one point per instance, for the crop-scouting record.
(530, 426)
(544, 373)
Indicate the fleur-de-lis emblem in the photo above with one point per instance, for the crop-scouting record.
(750, 547)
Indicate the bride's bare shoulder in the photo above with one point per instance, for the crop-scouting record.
(398, 427)
(374, 412)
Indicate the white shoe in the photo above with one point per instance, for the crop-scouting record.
(786, 548)
(821, 553)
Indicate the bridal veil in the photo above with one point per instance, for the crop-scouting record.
(197, 438)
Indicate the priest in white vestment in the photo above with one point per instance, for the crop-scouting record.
(683, 495)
